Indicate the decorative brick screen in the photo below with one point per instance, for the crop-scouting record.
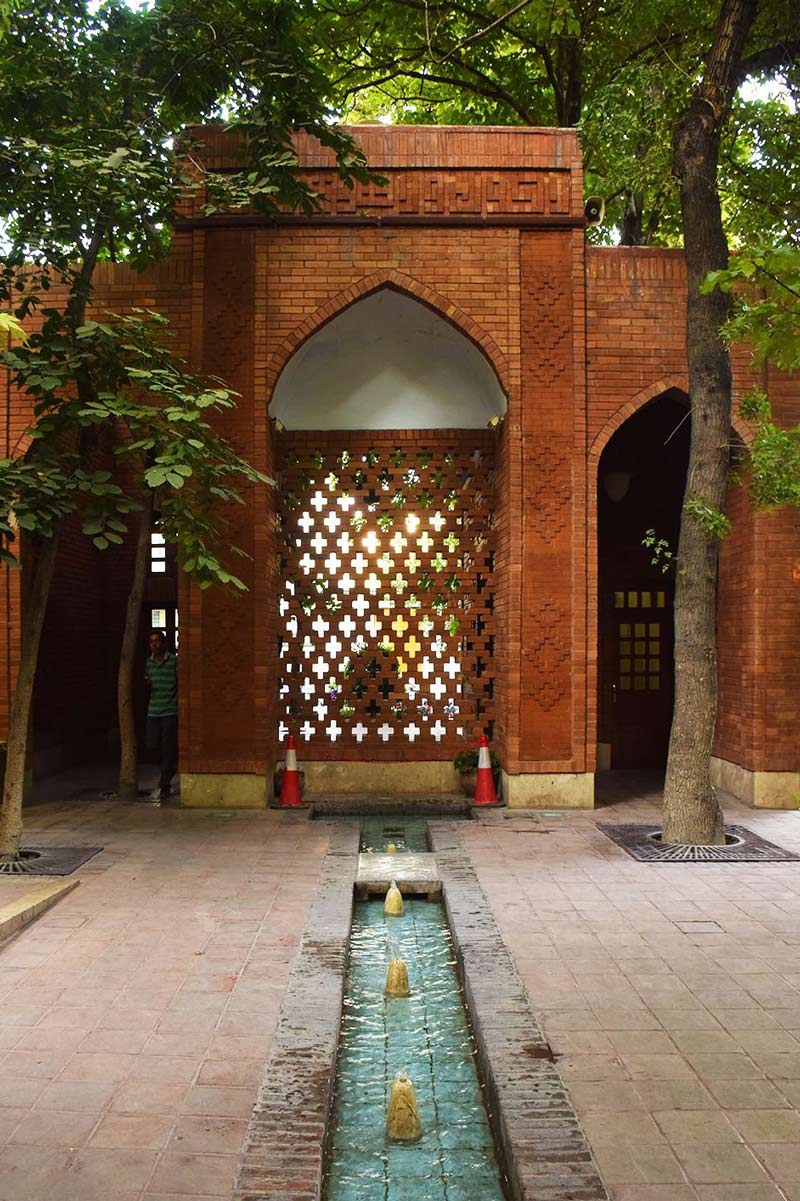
(386, 607)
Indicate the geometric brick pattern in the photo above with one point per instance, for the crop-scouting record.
(386, 609)
(438, 193)
(550, 650)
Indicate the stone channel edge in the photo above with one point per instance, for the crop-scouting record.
(546, 1154)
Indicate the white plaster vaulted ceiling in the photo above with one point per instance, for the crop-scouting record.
(387, 362)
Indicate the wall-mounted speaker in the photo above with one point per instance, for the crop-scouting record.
(594, 211)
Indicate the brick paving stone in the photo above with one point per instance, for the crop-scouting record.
(170, 959)
(546, 1153)
(137, 963)
(721, 1002)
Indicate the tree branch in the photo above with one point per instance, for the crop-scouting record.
(769, 60)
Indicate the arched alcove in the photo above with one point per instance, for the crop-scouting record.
(387, 362)
(641, 481)
(386, 517)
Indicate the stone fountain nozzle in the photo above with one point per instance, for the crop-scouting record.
(393, 905)
(402, 1116)
(397, 978)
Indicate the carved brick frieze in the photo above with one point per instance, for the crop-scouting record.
(448, 193)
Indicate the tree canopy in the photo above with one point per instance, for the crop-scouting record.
(620, 71)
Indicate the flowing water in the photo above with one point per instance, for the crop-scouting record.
(426, 1035)
(410, 834)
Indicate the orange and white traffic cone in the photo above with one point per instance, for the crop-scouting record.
(290, 797)
(484, 786)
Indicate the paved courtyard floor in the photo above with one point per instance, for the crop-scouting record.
(136, 1016)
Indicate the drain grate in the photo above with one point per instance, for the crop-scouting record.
(48, 861)
(743, 846)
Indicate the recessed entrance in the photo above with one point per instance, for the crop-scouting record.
(387, 522)
(641, 481)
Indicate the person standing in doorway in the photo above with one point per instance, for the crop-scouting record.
(161, 670)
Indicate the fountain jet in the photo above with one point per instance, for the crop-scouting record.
(397, 978)
(393, 905)
(402, 1116)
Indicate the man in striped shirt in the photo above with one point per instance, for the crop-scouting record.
(161, 670)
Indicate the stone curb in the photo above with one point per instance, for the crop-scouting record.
(282, 1158)
(25, 909)
(546, 1153)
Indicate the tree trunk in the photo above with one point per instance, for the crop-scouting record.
(632, 233)
(128, 750)
(34, 608)
(691, 810)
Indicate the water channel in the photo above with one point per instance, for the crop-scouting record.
(426, 1035)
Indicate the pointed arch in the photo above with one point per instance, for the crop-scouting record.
(667, 383)
(399, 282)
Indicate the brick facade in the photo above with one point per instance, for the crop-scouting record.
(485, 227)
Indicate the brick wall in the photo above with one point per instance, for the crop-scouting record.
(579, 337)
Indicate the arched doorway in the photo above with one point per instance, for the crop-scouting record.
(641, 482)
(386, 600)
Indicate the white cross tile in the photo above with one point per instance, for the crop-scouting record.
(359, 732)
(320, 626)
(320, 668)
(333, 730)
(412, 732)
(360, 604)
(306, 522)
(318, 501)
(385, 732)
(373, 626)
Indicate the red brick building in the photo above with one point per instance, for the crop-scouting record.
(472, 417)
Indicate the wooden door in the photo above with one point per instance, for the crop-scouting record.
(639, 655)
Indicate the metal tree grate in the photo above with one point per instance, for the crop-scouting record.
(743, 846)
(48, 861)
